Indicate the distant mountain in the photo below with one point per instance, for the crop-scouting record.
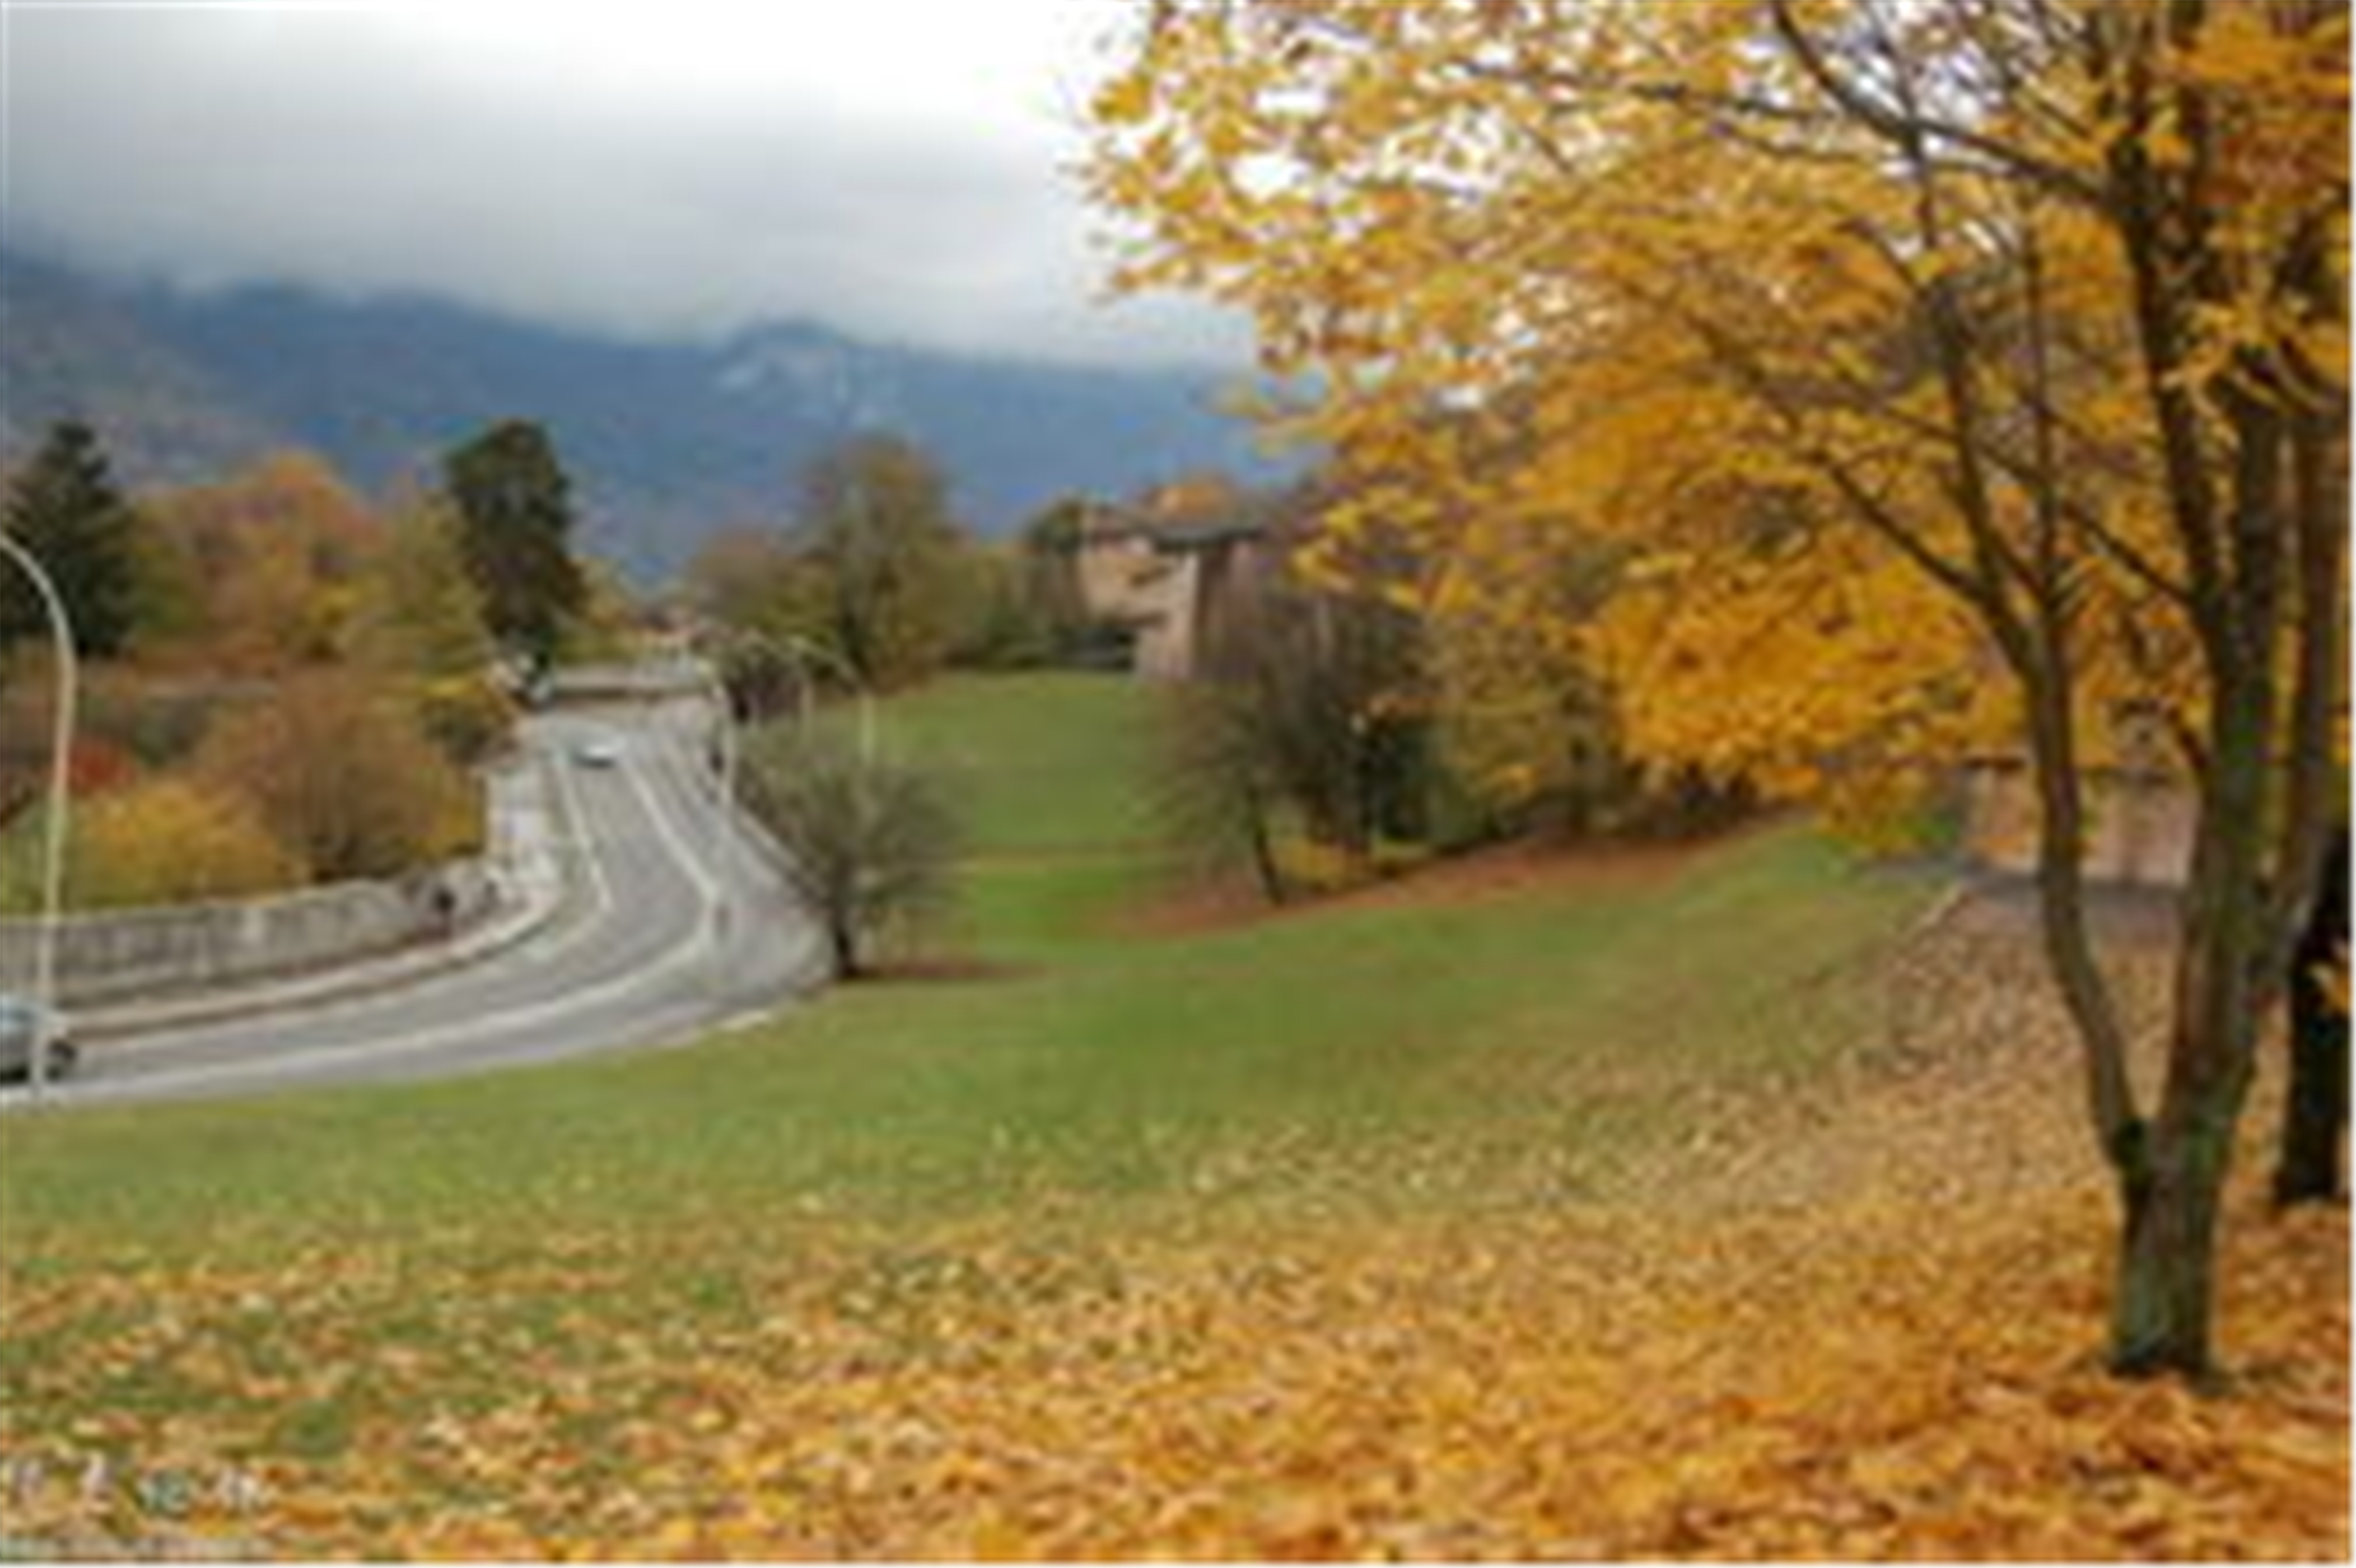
(666, 442)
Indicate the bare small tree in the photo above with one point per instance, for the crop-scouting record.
(870, 844)
(1221, 792)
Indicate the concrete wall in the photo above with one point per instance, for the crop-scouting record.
(116, 955)
(2139, 833)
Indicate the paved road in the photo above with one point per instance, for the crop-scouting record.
(675, 925)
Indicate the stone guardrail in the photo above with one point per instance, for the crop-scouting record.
(113, 955)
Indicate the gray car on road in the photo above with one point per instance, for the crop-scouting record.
(22, 1022)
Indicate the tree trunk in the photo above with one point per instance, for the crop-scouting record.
(2173, 1180)
(2172, 1177)
(842, 941)
(1262, 843)
(2315, 1122)
(2315, 1119)
(2162, 1313)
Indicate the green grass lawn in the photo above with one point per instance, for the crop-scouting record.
(1499, 1048)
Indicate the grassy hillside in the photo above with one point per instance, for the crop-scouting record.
(1409, 1048)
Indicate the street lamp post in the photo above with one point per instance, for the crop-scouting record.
(803, 651)
(724, 713)
(806, 649)
(53, 857)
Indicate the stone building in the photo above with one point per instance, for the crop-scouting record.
(1176, 572)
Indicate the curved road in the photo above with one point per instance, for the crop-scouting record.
(674, 925)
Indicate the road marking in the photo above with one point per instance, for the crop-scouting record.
(735, 828)
(576, 828)
(681, 852)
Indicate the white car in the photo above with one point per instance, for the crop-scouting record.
(597, 754)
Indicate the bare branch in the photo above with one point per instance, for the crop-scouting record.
(1902, 127)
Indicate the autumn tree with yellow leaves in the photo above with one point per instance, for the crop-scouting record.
(1941, 373)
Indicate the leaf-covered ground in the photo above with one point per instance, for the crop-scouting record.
(1813, 1264)
(1861, 1329)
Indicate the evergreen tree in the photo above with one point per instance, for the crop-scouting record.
(65, 510)
(515, 511)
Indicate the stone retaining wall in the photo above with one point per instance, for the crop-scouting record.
(118, 955)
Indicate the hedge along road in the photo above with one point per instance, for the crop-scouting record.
(676, 924)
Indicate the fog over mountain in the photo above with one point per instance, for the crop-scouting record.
(667, 442)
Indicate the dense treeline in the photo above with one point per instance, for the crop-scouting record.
(876, 582)
(282, 682)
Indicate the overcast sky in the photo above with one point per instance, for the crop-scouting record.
(897, 168)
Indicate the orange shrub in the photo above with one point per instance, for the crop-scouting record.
(343, 773)
(173, 840)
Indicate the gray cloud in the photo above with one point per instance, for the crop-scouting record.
(657, 170)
